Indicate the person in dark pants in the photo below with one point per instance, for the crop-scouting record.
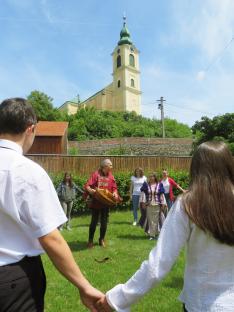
(102, 179)
(30, 214)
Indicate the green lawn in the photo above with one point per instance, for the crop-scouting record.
(127, 247)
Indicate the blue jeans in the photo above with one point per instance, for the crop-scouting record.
(169, 202)
(135, 205)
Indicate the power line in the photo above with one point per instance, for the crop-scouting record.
(189, 109)
(178, 106)
(219, 56)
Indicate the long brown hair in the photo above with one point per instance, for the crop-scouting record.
(140, 171)
(209, 201)
(70, 179)
(152, 174)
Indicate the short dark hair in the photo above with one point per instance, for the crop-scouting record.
(16, 115)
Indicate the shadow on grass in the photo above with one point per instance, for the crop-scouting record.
(78, 246)
(133, 237)
(176, 282)
(120, 222)
(80, 225)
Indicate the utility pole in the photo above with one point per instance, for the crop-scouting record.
(160, 106)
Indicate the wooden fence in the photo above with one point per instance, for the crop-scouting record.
(84, 165)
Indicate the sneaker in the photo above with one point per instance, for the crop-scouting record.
(134, 223)
(69, 228)
(151, 238)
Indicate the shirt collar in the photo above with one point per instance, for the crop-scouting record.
(11, 145)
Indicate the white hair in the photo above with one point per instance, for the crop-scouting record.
(105, 162)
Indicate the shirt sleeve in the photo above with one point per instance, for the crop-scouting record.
(172, 182)
(39, 209)
(174, 234)
(92, 181)
(142, 198)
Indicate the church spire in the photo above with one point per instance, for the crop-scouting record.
(124, 34)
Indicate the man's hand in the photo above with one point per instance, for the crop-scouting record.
(103, 306)
(90, 296)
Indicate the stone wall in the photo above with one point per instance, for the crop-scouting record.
(134, 146)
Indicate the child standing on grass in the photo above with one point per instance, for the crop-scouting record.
(137, 181)
(152, 197)
(203, 220)
(67, 191)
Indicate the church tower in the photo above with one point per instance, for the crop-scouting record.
(126, 74)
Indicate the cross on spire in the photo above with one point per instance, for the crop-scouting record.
(124, 18)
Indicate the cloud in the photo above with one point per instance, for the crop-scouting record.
(201, 75)
(208, 25)
(46, 11)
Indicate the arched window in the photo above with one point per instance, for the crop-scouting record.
(131, 60)
(119, 83)
(132, 83)
(118, 61)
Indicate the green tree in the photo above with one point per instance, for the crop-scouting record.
(220, 128)
(90, 123)
(43, 106)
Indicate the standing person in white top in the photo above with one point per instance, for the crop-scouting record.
(169, 184)
(203, 220)
(30, 214)
(137, 181)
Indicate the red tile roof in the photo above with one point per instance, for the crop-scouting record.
(51, 128)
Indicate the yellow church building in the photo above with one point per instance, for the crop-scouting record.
(124, 93)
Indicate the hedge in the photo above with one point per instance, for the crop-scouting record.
(123, 183)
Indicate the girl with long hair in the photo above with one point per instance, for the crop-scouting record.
(66, 191)
(202, 219)
(137, 181)
(152, 197)
(169, 184)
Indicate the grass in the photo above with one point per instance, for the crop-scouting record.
(127, 247)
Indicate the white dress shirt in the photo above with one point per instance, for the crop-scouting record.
(209, 273)
(29, 205)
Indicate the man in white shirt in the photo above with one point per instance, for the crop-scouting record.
(30, 214)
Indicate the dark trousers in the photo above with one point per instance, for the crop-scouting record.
(184, 309)
(142, 221)
(103, 214)
(22, 286)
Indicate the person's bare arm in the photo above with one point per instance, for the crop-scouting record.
(131, 190)
(61, 256)
(90, 190)
(180, 188)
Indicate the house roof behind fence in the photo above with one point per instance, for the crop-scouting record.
(51, 128)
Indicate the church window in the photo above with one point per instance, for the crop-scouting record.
(118, 61)
(131, 60)
(119, 83)
(132, 83)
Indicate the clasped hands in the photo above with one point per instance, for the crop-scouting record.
(95, 300)
(102, 305)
